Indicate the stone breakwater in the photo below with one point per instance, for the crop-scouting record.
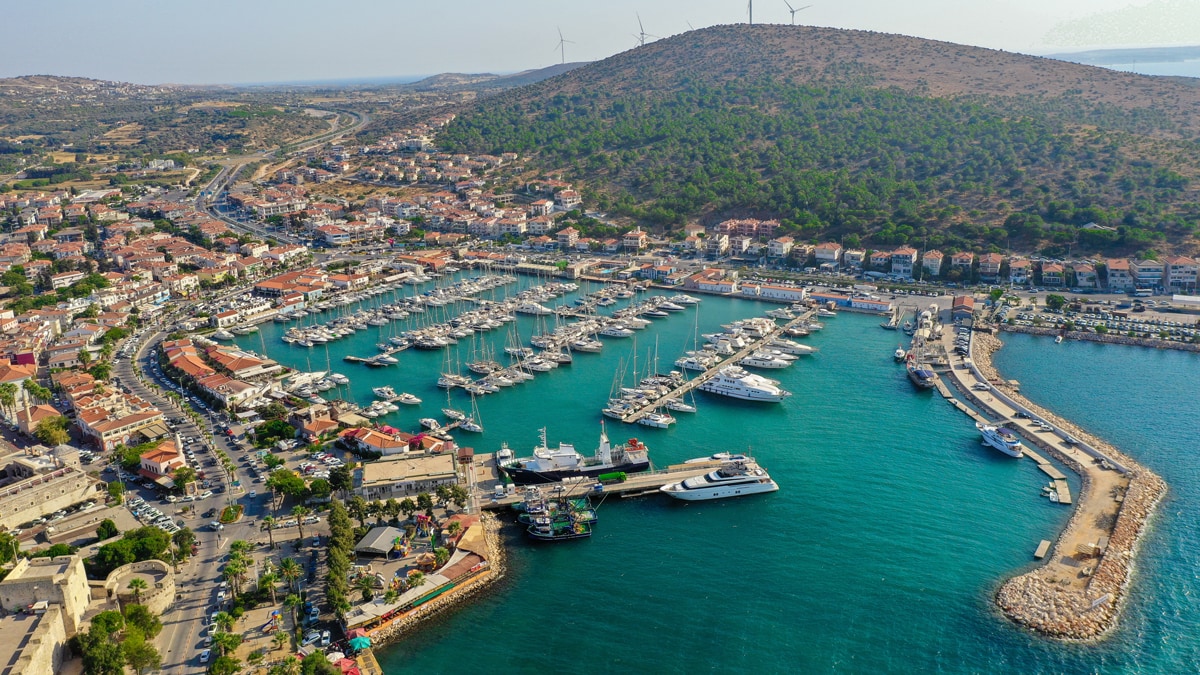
(1045, 600)
(496, 569)
(1108, 338)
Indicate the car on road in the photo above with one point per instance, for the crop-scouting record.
(312, 637)
(205, 655)
(205, 495)
(209, 513)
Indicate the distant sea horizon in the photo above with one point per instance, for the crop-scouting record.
(1183, 61)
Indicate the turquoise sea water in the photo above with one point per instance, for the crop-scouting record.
(880, 552)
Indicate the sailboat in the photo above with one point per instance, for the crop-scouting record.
(451, 412)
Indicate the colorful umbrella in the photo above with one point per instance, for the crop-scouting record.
(360, 642)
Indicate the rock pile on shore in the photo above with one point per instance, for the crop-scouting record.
(496, 563)
(1053, 606)
(1107, 338)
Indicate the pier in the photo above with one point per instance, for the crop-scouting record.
(486, 477)
(678, 392)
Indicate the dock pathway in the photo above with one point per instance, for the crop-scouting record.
(707, 375)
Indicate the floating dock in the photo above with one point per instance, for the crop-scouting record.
(1042, 549)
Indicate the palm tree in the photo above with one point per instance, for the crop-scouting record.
(268, 579)
(8, 396)
(280, 639)
(224, 622)
(416, 579)
(454, 528)
(136, 586)
(358, 509)
(269, 523)
(289, 667)
(293, 602)
(234, 571)
(239, 547)
(366, 584)
(290, 570)
(299, 513)
(226, 642)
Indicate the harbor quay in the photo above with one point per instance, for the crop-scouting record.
(1077, 593)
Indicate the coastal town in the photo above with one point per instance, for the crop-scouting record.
(180, 496)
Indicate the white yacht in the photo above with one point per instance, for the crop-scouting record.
(733, 479)
(791, 347)
(617, 330)
(223, 335)
(532, 308)
(684, 299)
(1001, 439)
(762, 359)
(408, 399)
(658, 420)
(430, 423)
(384, 392)
(678, 405)
(735, 382)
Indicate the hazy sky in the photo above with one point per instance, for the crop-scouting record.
(237, 41)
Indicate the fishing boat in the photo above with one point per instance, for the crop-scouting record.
(554, 529)
(550, 465)
(900, 354)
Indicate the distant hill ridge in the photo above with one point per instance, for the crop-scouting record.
(881, 138)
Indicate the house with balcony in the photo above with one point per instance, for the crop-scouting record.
(1119, 276)
(1146, 273)
(962, 262)
(1179, 273)
(931, 262)
(989, 267)
(1019, 271)
(1085, 275)
(903, 260)
(780, 247)
(1052, 275)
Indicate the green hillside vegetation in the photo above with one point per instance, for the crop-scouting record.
(838, 155)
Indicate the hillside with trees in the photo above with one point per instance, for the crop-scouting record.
(878, 138)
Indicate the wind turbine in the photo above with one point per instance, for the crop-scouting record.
(562, 45)
(750, 8)
(641, 35)
(793, 11)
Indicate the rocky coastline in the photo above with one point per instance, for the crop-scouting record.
(1107, 338)
(1042, 601)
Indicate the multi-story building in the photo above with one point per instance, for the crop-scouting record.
(989, 267)
(716, 245)
(38, 485)
(1085, 275)
(1146, 273)
(1052, 275)
(931, 262)
(829, 252)
(780, 247)
(400, 477)
(903, 260)
(1119, 276)
(962, 262)
(1019, 271)
(1179, 273)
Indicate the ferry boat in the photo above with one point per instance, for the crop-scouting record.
(922, 377)
(735, 382)
(733, 479)
(548, 465)
(1001, 439)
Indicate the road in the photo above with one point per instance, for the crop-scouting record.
(221, 181)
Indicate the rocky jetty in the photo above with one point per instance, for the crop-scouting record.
(1048, 599)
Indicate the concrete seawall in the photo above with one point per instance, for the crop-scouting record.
(1108, 338)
